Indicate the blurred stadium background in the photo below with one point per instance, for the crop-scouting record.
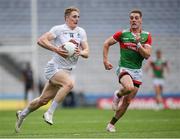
(22, 21)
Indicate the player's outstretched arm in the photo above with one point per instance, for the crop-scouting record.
(108, 42)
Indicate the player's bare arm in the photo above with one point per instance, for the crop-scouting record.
(45, 42)
(85, 50)
(109, 42)
(144, 50)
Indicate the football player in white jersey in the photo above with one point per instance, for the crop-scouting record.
(58, 69)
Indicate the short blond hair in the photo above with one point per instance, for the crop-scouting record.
(68, 11)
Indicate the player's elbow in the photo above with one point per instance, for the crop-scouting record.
(85, 53)
(147, 52)
(106, 44)
(85, 56)
(39, 41)
(146, 56)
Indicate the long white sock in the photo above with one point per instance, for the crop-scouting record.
(25, 112)
(53, 107)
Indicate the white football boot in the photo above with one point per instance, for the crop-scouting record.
(110, 128)
(19, 121)
(48, 118)
(115, 102)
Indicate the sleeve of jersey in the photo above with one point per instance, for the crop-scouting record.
(149, 40)
(53, 30)
(117, 35)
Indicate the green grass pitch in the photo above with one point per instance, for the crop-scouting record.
(91, 123)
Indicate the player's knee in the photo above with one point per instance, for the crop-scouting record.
(69, 85)
(129, 89)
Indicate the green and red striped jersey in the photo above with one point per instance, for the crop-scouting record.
(158, 66)
(129, 55)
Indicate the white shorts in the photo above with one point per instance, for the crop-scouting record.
(158, 81)
(52, 68)
(136, 74)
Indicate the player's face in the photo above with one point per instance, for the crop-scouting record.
(72, 19)
(135, 20)
(158, 54)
